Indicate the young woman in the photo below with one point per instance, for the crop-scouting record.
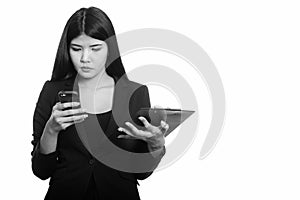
(88, 61)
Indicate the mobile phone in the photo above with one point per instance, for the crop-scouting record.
(68, 96)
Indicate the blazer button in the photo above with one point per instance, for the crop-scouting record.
(92, 161)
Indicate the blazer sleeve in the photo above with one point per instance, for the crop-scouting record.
(153, 160)
(43, 165)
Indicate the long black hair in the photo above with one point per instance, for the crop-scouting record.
(95, 23)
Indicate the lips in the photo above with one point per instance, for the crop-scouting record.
(85, 69)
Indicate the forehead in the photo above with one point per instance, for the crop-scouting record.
(86, 40)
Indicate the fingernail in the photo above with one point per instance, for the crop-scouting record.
(119, 129)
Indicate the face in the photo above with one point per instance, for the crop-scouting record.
(88, 55)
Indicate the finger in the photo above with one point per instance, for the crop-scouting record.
(73, 118)
(125, 131)
(166, 130)
(66, 125)
(56, 106)
(79, 121)
(133, 129)
(167, 127)
(73, 111)
(145, 122)
(147, 125)
(61, 106)
(164, 126)
(126, 137)
(69, 104)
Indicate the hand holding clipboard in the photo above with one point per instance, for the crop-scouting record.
(173, 117)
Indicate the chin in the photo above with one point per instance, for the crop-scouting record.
(86, 75)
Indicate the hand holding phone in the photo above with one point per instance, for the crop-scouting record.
(65, 112)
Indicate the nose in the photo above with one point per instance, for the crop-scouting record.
(85, 56)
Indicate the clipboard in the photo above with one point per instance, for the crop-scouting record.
(173, 117)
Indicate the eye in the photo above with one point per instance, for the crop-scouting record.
(96, 49)
(75, 49)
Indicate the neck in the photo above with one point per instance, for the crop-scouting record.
(95, 82)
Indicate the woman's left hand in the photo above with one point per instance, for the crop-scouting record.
(153, 135)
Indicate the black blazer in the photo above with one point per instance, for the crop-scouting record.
(71, 165)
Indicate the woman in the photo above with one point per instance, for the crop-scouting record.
(88, 62)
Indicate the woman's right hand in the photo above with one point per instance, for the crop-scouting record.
(61, 119)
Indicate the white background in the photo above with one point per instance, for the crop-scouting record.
(255, 47)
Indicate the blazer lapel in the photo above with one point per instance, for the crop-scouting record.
(120, 106)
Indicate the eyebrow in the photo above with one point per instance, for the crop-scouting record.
(93, 45)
